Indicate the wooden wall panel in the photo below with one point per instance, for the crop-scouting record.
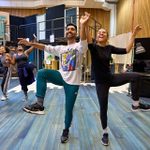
(139, 13)
(142, 16)
(23, 12)
(124, 16)
(99, 15)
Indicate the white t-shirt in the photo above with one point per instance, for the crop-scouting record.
(70, 60)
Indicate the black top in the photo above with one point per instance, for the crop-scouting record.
(21, 60)
(101, 57)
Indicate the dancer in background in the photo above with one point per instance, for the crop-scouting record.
(101, 55)
(24, 68)
(5, 70)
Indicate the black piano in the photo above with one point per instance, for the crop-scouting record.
(141, 63)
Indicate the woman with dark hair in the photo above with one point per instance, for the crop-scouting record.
(24, 68)
(101, 55)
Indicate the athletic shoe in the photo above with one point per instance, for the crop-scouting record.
(4, 98)
(143, 107)
(34, 109)
(105, 140)
(65, 136)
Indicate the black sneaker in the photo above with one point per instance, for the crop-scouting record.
(34, 109)
(105, 140)
(143, 107)
(65, 136)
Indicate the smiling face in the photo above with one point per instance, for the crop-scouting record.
(71, 32)
(2, 49)
(102, 36)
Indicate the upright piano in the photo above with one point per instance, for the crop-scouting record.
(141, 64)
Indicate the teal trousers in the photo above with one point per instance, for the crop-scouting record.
(45, 76)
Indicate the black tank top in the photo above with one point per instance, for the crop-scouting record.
(21, 59)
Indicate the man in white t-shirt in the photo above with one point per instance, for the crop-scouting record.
(69, 74)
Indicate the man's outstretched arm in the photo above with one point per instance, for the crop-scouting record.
(34, 44)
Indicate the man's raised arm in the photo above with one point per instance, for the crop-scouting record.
(83, 24)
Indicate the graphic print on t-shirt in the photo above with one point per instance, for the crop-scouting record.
(68, 60)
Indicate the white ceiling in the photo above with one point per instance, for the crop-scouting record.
(49, 3)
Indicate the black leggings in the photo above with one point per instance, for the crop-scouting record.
(117, 80)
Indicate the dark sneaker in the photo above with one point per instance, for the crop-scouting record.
(105, 140)
(34, 109)
(143, 107)
(65, 136)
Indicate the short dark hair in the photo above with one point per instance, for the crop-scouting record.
(71, 24)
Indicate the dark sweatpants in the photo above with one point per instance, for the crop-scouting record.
(117, 80)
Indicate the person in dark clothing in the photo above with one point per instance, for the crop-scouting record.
(100, 55)
(24, 68)
(5, 70)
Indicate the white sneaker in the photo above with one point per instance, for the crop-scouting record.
(4, 98)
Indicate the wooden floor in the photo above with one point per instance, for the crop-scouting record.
(22, 131)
